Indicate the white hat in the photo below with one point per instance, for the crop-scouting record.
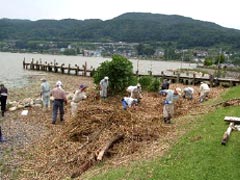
(59, 83)
(106, 78)
(43, 79)
(179, 91)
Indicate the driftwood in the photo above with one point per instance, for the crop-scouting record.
(230, 102)
(232, 119)
(92, 160)
(227, 133)
(108, 145)
(85, 166)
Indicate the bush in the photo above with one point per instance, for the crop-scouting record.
(154, 86)
(145, 81)
(119, 71)
(149, 83)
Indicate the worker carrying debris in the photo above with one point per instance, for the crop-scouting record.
(188, 93)
(168, 104)
(128, 102)
(204, 91)
(135, 91)
(79, 95)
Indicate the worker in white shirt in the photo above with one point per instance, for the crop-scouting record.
(79, 95)
(204, 91)
(135, 91)
(188, 93)
(128, 102)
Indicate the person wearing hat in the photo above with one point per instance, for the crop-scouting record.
(79, 95)
(135, 91)
(204, 91)
(45, 93)
(165, 84)
(128, 102)
(104, 83)
(3, 99)
(59, 99)
(59, 84)
(188, 93)
(168, 105)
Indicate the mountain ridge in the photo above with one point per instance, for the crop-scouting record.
(129, 27)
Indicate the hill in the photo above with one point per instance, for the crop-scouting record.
(130, 27)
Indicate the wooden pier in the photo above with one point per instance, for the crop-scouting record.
(58, 68)
(189, 79)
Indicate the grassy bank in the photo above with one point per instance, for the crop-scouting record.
(198, 155)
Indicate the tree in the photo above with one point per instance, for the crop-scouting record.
(208, 62)
(119, 71)
(220, 59)
(147, 50)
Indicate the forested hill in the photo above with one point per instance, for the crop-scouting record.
(130, 27)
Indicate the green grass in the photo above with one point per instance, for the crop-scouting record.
(198, 155)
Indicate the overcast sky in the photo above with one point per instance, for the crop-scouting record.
(222, 12)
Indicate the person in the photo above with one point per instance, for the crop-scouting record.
(2, 139)
(104, 83)
(45, 93)
(128, 102)
(188, 93)
(59, 83)
(79, 95)
(168, 104)
(59, 99)
(135, 91)
(165, 84)
(4, 95)
(204, 91)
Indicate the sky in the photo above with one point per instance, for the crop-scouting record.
(222, 12)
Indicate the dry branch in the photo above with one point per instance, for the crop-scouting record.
(230, 102)
(227, 133)
(108, 145)
(85, 166)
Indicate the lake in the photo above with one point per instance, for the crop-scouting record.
(12, 73)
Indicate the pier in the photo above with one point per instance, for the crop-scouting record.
(58, 68)
(84, 70)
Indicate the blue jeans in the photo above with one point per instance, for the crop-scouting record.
(57, 104)
(124, 104)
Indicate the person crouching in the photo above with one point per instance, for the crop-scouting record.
(188, 93)
(128, 102)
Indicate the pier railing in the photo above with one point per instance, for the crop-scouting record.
(175, 77)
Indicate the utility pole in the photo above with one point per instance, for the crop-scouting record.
(182, 58)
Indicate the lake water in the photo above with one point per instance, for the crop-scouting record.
(12, 73)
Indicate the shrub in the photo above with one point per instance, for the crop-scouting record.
(145, 81)
(119, 71)
(154, 86)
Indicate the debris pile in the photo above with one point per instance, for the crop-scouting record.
(103, 131)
